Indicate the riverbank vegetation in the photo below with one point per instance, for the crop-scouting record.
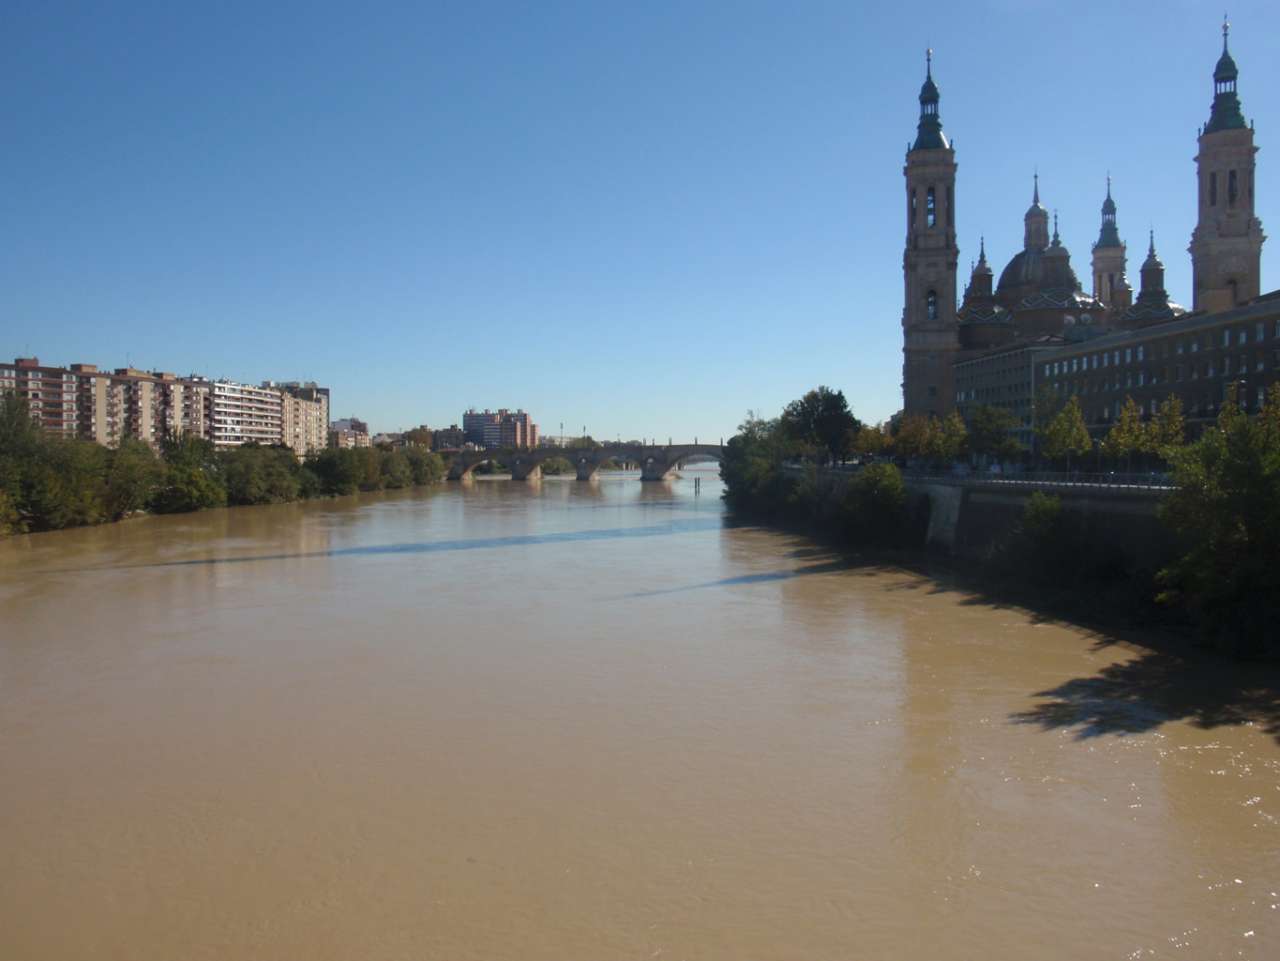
(1218, 574)
(49, 482)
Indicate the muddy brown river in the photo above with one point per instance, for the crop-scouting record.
(594, 721)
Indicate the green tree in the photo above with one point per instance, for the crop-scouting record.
(869, 440)
(754, 481)
(396, 472)
(426, 467)
(260, 475)
(915, 437)
(991, 433)
(193, 477)
(64, 484)
(1127, 435)
(338, 470)
(1225, 507)
(873, 506)
(821, 421)
(134, 477)
(1168, 431)
(951, 439)
(1066, 434)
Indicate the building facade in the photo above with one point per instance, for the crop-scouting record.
(1035, 330)
(153, 406)
(500, 428)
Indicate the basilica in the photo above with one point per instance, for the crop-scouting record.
(1002, 339)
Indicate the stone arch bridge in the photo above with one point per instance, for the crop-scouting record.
(656, 463)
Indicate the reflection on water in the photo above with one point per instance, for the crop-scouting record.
(584, 720)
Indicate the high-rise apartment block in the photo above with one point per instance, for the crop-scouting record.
(500, 428)
(151, 406)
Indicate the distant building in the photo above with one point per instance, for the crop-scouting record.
(448, 438)
(348, 433)
(500, 428)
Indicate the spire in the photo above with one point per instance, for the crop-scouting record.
(1108, 236)
(982, 255)
(1153, 294)
(1036, 222)
(1056, 242)
(1225, 114)
(929, 135)
(1152, 261)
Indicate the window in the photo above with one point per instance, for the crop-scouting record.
(1208, 369)
(1153, 407)
(931, 299)
(1259, 332)
(1139, 353)
(951, 217)
(1075, 364)
(1177, 372)
(1231, 188)
(1242, 336)
(1213, 189)
(1128, 355)
(1104, 359)
(1259, 364)
(1142, 378)
(1195, 345)
(1226, 338)
(930, 209)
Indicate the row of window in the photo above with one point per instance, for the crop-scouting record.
(1227, 337)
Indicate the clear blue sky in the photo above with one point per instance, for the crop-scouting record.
(645, 218)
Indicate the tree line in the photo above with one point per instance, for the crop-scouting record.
(1222, 573)
(48, 482)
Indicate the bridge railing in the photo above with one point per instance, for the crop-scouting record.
(1105, 479)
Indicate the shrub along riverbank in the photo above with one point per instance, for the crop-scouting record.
(1222, 578)
(49, 482)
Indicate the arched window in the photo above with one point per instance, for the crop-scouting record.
(930, 208)
(1235, 292)
(931, 304)
(1213, 189)
(1231, 188)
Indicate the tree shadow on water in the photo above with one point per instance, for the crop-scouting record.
(1139, 695)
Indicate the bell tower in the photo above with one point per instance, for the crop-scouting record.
(930, 333)
(1110, 286)
(1226, 245)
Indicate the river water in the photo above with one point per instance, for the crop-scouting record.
(593, 721)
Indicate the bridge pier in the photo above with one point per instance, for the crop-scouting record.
(655, 470)
(522, 468)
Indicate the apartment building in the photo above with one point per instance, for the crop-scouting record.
(109, 406)
(304, 416)
(348, 433)
(50, 392)
(500, 428)
(241, 414)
